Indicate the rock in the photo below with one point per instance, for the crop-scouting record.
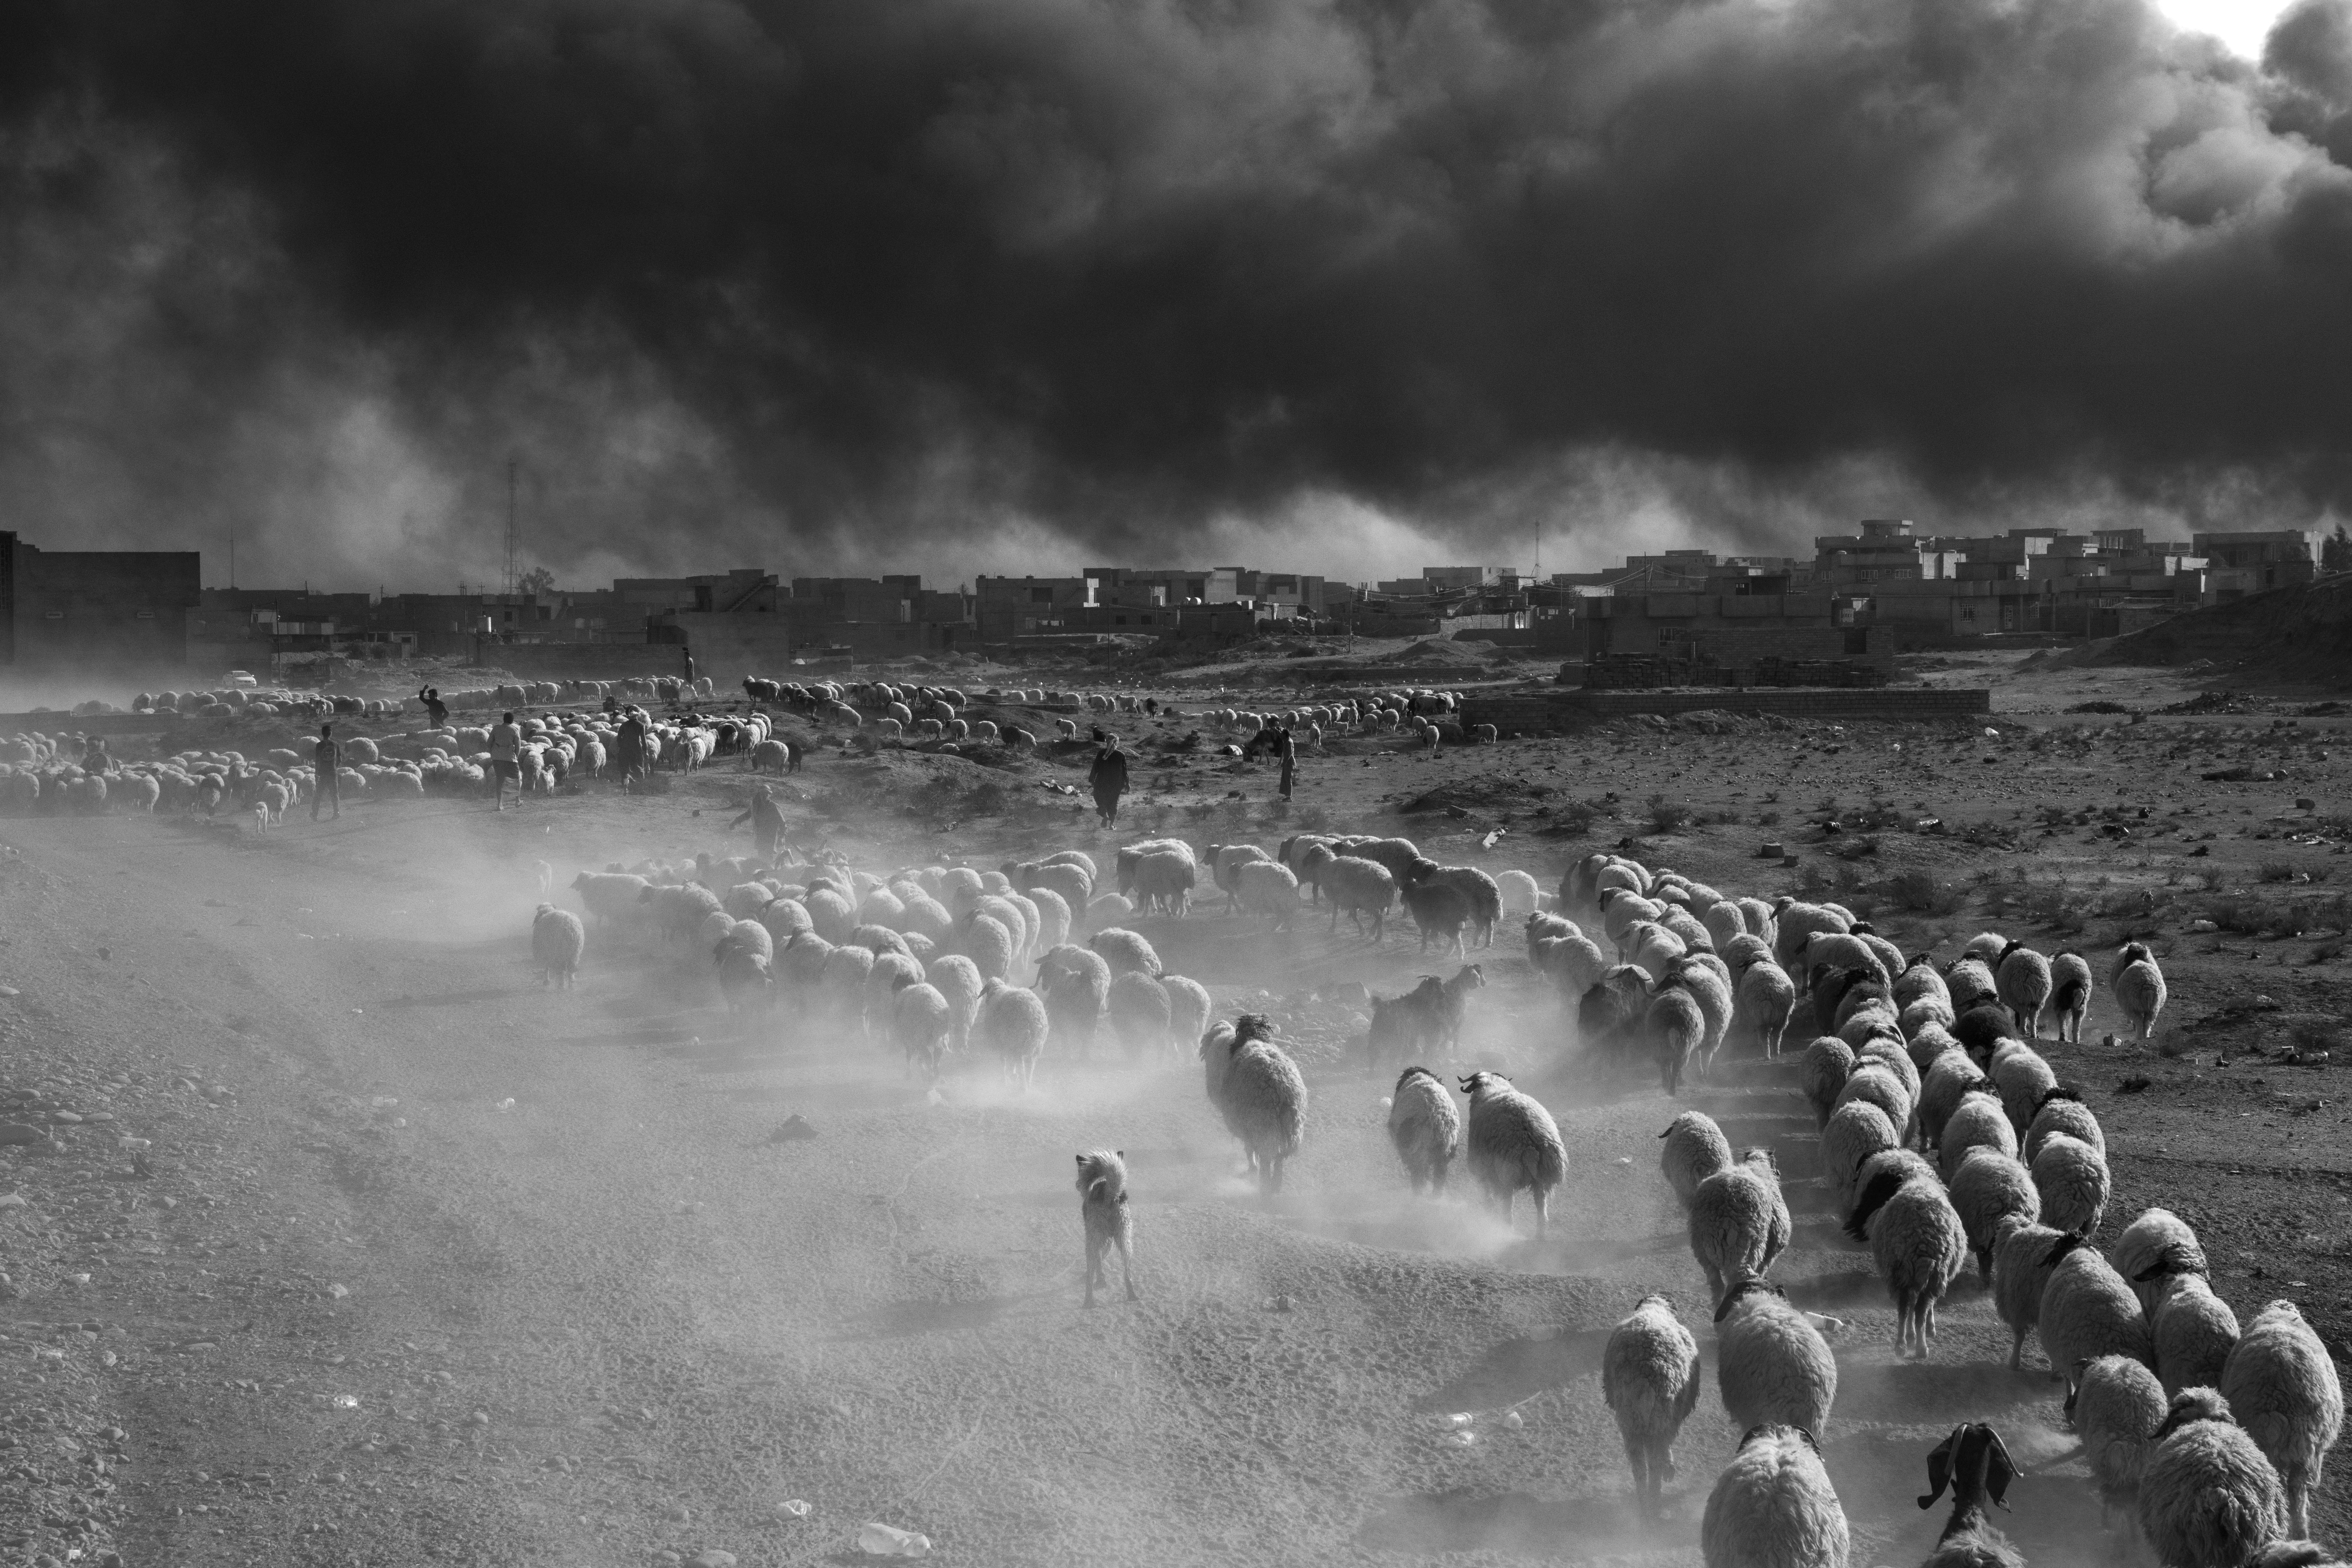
(1771, 852)
(16, 1135)
(794, 1129)
(711, 1559)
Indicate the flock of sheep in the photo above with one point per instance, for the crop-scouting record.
(1944, 1136)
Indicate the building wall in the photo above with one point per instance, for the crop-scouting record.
(1008, 607)
(96, 609)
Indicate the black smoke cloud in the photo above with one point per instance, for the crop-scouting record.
(935, 283)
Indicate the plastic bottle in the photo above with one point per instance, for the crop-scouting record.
(888, 1540)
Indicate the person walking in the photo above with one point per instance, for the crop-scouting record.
(1109, 776)
(767, 820)
(94, 759)
(629, 749)
(506, 761)
(1286, 750)
(435, 708)
(326, 780)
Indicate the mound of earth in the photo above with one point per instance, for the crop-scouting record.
(2299, 634)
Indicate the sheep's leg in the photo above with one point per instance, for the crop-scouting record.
(1902, 1322)
(1094, 1266)
(1637, 1460)
(1543, 1210)
(1127, 1268)
(2298, 1503)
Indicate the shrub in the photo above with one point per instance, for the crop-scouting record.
(1922, 893)
(1667, 815)
(2274, 871)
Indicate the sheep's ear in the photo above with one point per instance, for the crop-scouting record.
(1999, 1471)
(1939, 1468)
(1082, 1159)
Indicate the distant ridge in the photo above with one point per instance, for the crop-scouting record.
(2299, 634)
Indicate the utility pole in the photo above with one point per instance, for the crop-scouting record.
(232, 555)
(513, 580)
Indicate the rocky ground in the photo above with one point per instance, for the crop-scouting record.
(330, 1237)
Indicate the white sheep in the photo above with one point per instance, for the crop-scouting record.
(1766, 999)
(1013, 1025)
(960, 981)
(2024, 1255)
(2072, 1179)
(611, 895)
(1075, 984)
(1513, 1144)
(1919, 1244)
(1676, 1028)
(1650, 1381)
(2157, 1244)
(1857, 1132)
(1739, 1222)
(1188, 1009)
(1875, 1082)
(2117, 1408)
(1773, 1505)
(1821, 1073)
(2070, 993)
(1261, 1093)
(1355, 887)
(2281, 1387)
(991, 946)
(2023, 1077)
(1164, 882)
(1771, 1364)
(1946, 1081)
(1103, 1212)
(2088, 1311)
(1266, 888)
(2206, 1494)
(2193, 1331)
(1990, 1187)
(1977, 1121)
(1138, 1007)
(1425, 1127)
(2138, 986)
(1695, 1150)
(2061, 1110)
(1126, 952)
(557, 939)
(1520, 895)
(922, 1022)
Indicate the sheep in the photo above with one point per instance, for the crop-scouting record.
(1702, 975)
(1264, 1098)
(2208, 1496)
(1075, 984)
(1766, 998)
(1266, 888)
(1014, 1025)
(1068, 882)
(1773, 1505)
(2281, 1387)
(1481, 895)
(1795, 924)
(2072, 1179)
(1857, 1133)
(1650, 1381)
(1188, 1008)
(1676, 1028)
(1513, 1144)
(1519, 891)
(1771, 1364)
(1977, 1121)
(1164, 882)
(1609, 1013)
(2024, 1256)
(1739, 1222)
(922, 1022)
(1988, 1188)
(1139, 1011)
(1917, 1242)
(557, 938)
(2070, 993)
(1977, 1464)
(609, 894)
(2023, 1077)
(1875, 1081)
(2157, 1244)
(2061, 1110)
(1126, 952)
(843, 982)
(1695, 1150)
(1947, 1081)
(2022, 979)
(1439, 910)
(1917, 1016)
(1355, 887)
(1103, 1212)
(959, 980)
(2193, 1330)
(1969, 983)
(2138, 987)
(1426, 1127)
(1827, 1063)
(2118, 1405)
(2088, 1311)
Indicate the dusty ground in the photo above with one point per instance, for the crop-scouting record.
(418, 1262)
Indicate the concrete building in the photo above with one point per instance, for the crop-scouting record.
(1009, 607)
(94, 609)
(2248, 561)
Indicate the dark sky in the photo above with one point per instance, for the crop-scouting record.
(931, 285)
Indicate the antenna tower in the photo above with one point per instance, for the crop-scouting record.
(514, 579)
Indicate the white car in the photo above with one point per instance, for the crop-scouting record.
(238, 678)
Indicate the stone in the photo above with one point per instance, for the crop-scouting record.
(711, 1559)
(16, 1135)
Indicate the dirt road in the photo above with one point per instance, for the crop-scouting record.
(423, 1263)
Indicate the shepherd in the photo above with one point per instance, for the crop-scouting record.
(1109, 776)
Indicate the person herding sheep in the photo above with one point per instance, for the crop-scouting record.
(1108, 777)
(435, 708)
(505, 762)
(325, 758)
(767, 821)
